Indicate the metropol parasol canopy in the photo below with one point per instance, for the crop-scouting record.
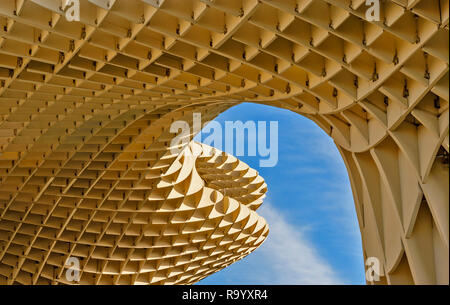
(86, 166)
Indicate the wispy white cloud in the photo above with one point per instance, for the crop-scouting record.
(289, 256)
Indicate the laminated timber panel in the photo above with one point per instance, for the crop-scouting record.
(85, 162)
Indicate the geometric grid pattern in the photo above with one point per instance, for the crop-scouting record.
(86, 106)
(184, 231)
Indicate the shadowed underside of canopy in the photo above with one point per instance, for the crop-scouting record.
(86, 169)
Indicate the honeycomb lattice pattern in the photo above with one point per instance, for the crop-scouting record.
(85, 165)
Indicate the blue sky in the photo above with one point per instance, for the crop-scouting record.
(314, 236)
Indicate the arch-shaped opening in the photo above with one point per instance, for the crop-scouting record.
(314, 235)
